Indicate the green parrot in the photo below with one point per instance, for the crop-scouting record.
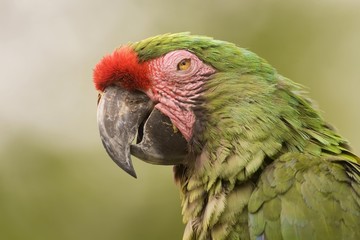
(252, 156)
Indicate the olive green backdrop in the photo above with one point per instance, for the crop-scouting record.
(56, 181)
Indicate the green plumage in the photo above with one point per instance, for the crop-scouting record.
(265, 165)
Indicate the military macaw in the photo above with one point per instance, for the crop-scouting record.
(252, 156)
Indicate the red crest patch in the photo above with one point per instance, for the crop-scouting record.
(123, 68)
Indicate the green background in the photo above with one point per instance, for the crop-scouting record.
(56, 181)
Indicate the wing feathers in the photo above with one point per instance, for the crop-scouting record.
(304, 197)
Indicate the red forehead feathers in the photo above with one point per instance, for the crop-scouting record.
(123, 68)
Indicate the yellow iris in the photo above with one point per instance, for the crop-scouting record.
(184, 64)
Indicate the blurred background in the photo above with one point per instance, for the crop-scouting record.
(56, 181)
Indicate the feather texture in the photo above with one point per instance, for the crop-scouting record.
(263, 162)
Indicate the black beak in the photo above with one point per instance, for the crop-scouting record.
(122, 115)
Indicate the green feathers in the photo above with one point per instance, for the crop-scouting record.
(223, 56)
(305, 197)
(264, 165)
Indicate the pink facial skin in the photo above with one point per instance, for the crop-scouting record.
(175, 91)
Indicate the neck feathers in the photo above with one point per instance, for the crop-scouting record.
(242, 127)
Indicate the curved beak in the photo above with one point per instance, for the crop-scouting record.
(123, 115)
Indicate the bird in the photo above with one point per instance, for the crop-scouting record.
(253, 158)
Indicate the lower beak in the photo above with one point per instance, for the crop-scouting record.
(122, 115)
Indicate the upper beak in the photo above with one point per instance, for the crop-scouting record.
(122, 115)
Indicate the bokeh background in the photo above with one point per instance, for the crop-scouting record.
(56, 181)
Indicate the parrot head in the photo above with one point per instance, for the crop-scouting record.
(163, 92)
(243, 138)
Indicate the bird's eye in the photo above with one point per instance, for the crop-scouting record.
(184, 64)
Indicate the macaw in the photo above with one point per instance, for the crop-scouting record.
(252, 157)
